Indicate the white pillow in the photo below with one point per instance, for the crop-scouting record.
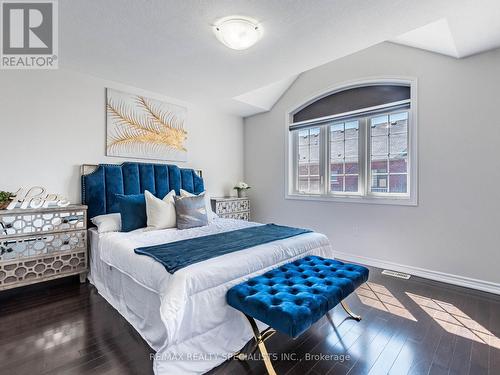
(107, 223)
(160, 212)
(210, 214)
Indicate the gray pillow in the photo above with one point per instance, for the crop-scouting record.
(191, 212)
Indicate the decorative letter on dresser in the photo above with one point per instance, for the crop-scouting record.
(232, 207)
(42, 244)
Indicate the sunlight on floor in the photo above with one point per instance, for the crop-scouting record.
(50, 339)
(59, 335)
(379, 297)
(455, 321)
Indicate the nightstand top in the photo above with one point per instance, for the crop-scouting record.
(43, 209)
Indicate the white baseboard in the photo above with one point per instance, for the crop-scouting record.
(485, 286)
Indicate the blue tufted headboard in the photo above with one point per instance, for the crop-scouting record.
(100, 186)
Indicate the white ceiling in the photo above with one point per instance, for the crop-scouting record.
(167, 46)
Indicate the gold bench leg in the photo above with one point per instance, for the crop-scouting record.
(349, 311)
(262, 347)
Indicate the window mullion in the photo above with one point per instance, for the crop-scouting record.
(364, 156)
(328, 151)
(309, 161)
(295, 165)
(343, 164)
(388, 153)
(324, 159)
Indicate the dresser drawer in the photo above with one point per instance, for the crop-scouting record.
(24, 272)
(231, 206)
(41, 244)
(21, 223)
(237, 215)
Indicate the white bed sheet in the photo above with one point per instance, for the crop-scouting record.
(199, 330)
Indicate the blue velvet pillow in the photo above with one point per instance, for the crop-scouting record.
(132, 210)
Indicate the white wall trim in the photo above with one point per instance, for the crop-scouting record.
(485, 286)
(395, 201)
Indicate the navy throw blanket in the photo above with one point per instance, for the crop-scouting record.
(180, 254)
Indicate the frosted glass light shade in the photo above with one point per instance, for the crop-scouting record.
(238, 32)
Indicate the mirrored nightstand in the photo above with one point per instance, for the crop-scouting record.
(232, 207)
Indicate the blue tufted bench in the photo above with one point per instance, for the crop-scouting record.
(294, 296)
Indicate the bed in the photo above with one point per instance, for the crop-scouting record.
(183, 316)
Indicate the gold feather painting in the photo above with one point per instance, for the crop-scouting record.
(145, 128)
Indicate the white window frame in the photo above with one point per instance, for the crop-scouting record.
(363, 195)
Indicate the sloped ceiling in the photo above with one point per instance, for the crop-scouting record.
(264, 98)
(167, 46)
(435, 37)
(466, 30)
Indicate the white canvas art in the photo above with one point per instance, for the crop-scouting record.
(140, 127)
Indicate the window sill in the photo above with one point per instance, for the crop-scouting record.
(395, 201)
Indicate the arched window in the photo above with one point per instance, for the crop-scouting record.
(355, 143)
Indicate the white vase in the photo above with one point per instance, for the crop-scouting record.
(242, 193)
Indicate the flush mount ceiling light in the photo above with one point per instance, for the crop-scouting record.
(238, 32)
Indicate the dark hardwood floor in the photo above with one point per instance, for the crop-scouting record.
(409, 327)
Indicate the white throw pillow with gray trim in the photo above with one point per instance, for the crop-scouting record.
(160, 212)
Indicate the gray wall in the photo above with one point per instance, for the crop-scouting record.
(455, 228)
(53, 121)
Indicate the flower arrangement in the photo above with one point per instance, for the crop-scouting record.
(5, 198)
(241, 187)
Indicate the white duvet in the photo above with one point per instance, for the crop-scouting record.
(201, 329)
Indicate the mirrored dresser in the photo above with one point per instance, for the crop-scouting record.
(42, 244)
(232, 207)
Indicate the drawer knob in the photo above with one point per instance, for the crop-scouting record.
(6, 250)
(72, 219)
